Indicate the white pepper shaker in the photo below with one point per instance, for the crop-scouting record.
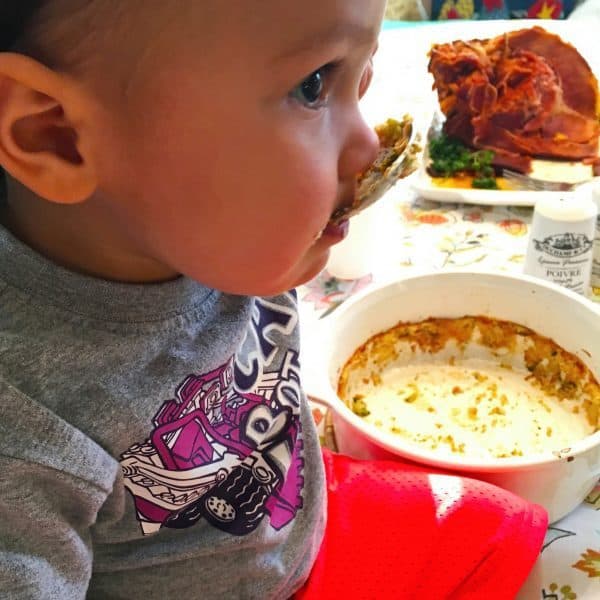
(561, 238)
(594, 188)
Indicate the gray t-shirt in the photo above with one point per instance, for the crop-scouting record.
(155, 441)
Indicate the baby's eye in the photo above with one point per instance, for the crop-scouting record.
(312, 92)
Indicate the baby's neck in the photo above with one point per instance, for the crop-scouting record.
(78, 237)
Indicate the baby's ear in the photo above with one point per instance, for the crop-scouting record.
(42, 142)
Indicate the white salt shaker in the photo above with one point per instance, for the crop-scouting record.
(561, 239)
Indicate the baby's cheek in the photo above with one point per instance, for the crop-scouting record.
(320, 187)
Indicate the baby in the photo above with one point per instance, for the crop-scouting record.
(170, 170)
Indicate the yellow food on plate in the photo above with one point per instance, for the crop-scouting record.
(466, 182)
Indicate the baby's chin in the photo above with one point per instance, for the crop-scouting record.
(308, 269)
(254, 283)
(312, 268)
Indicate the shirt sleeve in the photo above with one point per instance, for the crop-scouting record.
(53, 482)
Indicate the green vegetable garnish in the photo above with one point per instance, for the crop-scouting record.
(359, 406)
(449, 158)
(485, 183)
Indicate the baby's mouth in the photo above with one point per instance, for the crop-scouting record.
(338, 229)
(336, 219)
(396, 159)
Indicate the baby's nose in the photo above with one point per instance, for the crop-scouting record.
(360, 150)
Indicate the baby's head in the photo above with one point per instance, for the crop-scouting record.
(147, 139)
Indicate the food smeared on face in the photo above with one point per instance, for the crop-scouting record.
(396, 159)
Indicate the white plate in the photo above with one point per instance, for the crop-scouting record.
(425, 188)
(572, 172)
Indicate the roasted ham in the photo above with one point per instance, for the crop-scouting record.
(523, 94)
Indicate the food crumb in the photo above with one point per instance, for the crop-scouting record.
(359, 406)
(413, 395)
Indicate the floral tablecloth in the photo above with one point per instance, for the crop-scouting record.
(411, 234)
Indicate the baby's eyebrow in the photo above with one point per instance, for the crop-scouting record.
(359, 34)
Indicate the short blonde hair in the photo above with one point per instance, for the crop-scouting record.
(57, 32)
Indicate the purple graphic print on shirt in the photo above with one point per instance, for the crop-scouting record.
(227, 448)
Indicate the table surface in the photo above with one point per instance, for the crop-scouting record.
(416, 235)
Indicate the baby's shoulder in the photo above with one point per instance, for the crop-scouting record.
(33, 435)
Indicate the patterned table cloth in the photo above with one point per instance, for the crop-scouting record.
(410, 234)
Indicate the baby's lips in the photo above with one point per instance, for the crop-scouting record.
(343, 212)
(337, 229)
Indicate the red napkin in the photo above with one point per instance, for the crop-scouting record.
(399, 531)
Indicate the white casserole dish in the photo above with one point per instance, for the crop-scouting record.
(557, 480)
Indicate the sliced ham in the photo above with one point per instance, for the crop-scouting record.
(522, 94)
